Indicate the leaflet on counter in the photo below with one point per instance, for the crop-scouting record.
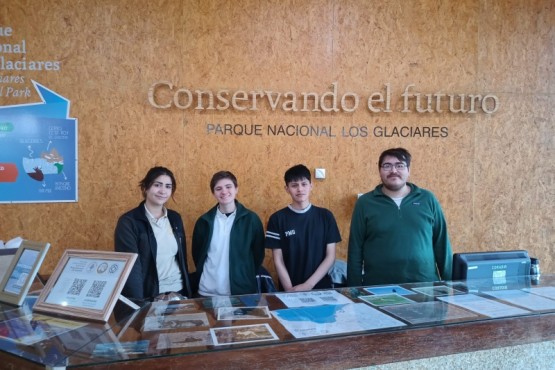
(523, 299)
(305, 322)
(484, 306)
(313, 298)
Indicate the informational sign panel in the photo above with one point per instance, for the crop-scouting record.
(38, 151)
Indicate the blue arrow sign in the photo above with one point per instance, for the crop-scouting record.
(53, 105)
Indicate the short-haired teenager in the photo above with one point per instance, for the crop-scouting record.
(302, 237)
(228, 243)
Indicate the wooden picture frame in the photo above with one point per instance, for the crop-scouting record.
(86, 284)
(22, 270)
(6, 257)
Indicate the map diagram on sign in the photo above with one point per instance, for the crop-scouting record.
(49, 163)
(38, 155)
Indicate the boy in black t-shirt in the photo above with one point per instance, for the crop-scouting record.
(302, 237)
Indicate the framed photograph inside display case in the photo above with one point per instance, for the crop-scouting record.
(86, 284)
(22, 270)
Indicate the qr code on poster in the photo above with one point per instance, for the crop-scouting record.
(76, 286)
(96, 289)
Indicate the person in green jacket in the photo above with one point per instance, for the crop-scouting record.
(228, 243)
(398, 231)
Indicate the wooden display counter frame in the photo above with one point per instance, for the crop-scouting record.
(344, 351)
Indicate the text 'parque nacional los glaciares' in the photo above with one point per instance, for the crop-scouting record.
(165, 95)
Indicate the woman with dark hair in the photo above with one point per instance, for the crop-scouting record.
(157, 235)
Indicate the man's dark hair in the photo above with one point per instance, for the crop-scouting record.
(220, 176)
(401, 154)
(297, 173)
(152, 175)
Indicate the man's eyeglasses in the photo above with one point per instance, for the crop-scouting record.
(399, 166)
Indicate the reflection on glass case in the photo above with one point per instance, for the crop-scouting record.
(166, 329)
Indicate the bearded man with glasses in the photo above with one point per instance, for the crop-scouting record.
(398, 230)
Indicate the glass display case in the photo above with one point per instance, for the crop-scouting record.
(345, 327)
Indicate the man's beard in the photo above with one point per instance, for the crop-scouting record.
(394, 187)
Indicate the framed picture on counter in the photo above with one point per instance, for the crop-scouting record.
(22, 270)
(86, 284)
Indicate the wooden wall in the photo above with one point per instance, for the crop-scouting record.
(494, 173)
